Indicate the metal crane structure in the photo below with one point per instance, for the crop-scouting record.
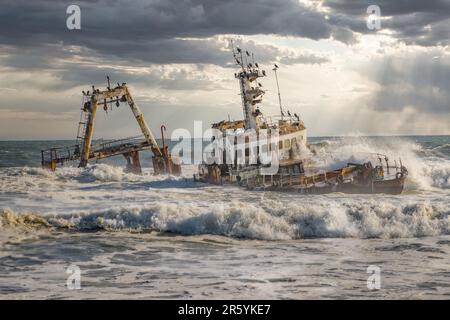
(84, 150)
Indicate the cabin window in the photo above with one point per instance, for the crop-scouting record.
(287, 144)
(280, 144)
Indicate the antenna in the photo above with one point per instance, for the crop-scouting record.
(279, 94)
(238, 55)
(232, 48)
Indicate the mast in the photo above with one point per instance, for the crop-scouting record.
(250, 91)
(279, 94)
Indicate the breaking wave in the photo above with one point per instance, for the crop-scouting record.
(92, 173)
(96, 172)
(269, 221)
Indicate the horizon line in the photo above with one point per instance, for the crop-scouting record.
(318, 136)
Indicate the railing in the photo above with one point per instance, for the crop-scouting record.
(272, 121)
(117, 143)
(60, 154)
(73, 152)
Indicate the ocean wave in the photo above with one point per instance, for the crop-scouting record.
(268, 221)
(93, 172)
(443, 149)
(437, 174)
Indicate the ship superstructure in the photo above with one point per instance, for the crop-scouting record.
(290, 128)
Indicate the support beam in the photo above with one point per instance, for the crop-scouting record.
(143, 124)
(89, 133)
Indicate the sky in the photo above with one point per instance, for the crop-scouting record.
(339, 75)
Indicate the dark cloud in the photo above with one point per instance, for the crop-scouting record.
(388, 7)
(425, 23)
(144, 20)
(173, 31)
(150, 31)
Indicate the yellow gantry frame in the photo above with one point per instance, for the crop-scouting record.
(117, 93)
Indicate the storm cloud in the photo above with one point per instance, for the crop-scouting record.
(177, 54)
(169, 31)
(172, 31)
(426, 23)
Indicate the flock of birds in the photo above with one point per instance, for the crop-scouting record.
(249, 65)
(88, 93)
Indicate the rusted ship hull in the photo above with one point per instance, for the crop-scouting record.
(354, 179)
(394, 187)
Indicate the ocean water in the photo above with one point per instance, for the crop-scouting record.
(145, 236)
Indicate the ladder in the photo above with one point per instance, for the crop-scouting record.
(244, 107)
(82, 125)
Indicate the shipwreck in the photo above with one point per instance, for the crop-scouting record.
(295, 171)
(85, 150)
